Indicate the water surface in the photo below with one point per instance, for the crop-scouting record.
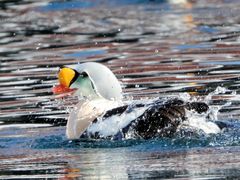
(155, 48)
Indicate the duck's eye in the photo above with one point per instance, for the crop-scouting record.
(83, 74)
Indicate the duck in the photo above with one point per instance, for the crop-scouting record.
(102, 113)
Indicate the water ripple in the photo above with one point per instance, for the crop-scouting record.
(155, 48)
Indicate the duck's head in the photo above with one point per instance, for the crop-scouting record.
(90, 80)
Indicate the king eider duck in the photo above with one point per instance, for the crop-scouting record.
(101, 112)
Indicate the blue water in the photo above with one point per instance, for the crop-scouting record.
(77, 4)
(48, 154)
(87, 53)
(192, 46)
(54, 138)
(155, 48)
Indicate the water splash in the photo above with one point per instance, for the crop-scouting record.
(162, 48)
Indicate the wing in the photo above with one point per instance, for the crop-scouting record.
(160, 119)
(80, 118)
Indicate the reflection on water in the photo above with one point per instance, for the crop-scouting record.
(163, 158)
(156, 48)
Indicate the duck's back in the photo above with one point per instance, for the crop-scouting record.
(160, 118)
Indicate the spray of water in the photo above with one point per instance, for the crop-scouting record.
(205, 122)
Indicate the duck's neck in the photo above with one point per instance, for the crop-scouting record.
(86, 89)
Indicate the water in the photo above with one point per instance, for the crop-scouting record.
(156, 49)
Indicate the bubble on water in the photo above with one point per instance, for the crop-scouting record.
(202, 122)
(217, 91)
(185, 96)
(220, 90)
(205, 121)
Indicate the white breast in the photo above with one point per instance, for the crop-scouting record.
(84, 113)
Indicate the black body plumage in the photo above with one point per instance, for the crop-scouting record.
(160, 119)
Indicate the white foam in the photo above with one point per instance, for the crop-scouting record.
(201, 122)
(218, 90)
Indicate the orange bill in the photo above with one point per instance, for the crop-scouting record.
(59, 89)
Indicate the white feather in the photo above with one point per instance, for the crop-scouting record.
(84, 113)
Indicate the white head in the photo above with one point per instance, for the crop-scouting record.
(91, 80)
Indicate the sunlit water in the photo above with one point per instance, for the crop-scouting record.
(156, 49)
